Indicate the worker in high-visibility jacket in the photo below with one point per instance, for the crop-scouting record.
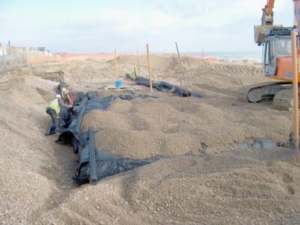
(53, 110)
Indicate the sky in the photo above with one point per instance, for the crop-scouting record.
(127, 25)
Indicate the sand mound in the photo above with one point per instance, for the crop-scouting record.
(140, 132)
(174, 126)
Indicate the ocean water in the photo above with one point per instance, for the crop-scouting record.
(254, 55)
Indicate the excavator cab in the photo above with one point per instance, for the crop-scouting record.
(274, 48)
(277, 44)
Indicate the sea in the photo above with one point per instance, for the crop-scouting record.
(230, 56)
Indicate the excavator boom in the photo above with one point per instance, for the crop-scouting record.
(270, 6)
(268, 14)
(267, 22)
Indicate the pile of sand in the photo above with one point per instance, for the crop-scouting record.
(205, 178)
(170, 126)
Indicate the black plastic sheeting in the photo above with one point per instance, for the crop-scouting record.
(164, 86)
(94, 164)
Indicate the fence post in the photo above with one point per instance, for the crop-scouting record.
(115, 63)
(149, 68)
(180, 64)
(295, 91)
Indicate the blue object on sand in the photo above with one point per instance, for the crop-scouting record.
(118, 84)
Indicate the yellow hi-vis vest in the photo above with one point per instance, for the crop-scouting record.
(54, 104)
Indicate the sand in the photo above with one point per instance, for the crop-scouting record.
(206, 176)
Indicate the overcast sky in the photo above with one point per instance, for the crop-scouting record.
(101, 26)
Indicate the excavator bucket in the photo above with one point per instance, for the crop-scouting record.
(260, 33)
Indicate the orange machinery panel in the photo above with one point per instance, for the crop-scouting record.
(285, 69)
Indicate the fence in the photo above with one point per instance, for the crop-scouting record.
(11, 58)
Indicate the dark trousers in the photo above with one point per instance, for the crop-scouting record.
(54, 121)
(65, 117)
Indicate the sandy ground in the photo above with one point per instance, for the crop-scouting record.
(207, 175)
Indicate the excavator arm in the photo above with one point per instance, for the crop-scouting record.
(268, 13)
(267, 22)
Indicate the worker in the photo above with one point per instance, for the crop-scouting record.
(53, 110)
(59, 110)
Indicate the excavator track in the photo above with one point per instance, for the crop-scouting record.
(266, 92)
(283, 100)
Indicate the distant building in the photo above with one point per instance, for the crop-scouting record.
(3, 51)
(41, 49)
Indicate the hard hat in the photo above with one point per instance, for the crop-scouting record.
(65, 91)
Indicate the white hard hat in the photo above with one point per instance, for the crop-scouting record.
(65, 90)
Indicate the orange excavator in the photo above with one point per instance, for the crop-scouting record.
(277, 58)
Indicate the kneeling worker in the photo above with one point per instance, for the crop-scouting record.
(53, 110)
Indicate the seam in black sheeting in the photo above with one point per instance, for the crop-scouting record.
(164, 86)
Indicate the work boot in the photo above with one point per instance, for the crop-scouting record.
(51, 131)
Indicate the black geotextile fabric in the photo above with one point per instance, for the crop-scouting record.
(164, 86)
(94, 164)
